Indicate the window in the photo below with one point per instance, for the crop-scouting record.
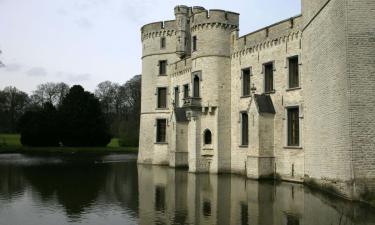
(163, 67)
(161, 125)
(196, 87)
(186, 91)
(162, 98)
(268, 77)
(244, 129)
(194, 43)
(293, 126)
(293, 72)
(207, 137)
(162, 43)
(246, 82)
(176, 97)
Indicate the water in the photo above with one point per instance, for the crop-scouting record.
(109, 190)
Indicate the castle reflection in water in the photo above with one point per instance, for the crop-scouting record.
(122, 192)
(168, 196)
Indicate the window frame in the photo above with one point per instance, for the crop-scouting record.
(298, 85)
(242, 140)
(176, 92)
(161, 138)
(165, 67)
(163, 43)
(205, 132)
(244, 95)
(264, 71)
(196, 90)
(194, 43)
(186, 91)
(293, 143)
(158, 102)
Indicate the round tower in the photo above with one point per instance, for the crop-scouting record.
(158, 50)
(210, 54)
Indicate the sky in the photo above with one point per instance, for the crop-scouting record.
(89, 41)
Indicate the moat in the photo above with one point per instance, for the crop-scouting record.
(113, 189)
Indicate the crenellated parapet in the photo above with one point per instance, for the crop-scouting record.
(158, 29)
(269, 37)
(214, 18)
(180, 67)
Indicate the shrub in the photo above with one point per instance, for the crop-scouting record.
(39, 128)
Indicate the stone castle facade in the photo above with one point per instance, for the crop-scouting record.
(294, 100)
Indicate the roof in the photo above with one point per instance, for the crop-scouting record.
(180, 114)
(264, 103)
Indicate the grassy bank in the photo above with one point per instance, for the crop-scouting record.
(10, 143)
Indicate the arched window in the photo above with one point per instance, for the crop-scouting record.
(207, 137)
(196, 87)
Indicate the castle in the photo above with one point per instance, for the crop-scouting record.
(294, 100)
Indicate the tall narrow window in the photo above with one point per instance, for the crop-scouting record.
(176, 97)
(163, 67)
(194, 43)
(293, 127)
(162, 98)
(196, 87)
(244, 129)
(268, 77)
(162, 42)
(246, 82)
(186, 91)
(293, 72)
(207, 137)
(161, 125)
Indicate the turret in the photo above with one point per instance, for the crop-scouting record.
(182, 14)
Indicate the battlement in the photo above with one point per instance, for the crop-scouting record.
(182, 9)
(180, 67)
(215, 16)
(159, 26)
(275, 31)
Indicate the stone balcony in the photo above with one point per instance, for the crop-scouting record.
(192, 103)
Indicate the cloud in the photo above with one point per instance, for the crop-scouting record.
(13, 67)
(84, 23)
(71, 77)
(37, 72)
(61, 11)
(79, 77)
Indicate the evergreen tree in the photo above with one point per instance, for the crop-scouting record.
(82, 122)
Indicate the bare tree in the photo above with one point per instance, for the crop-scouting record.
(107, 93)
(50, 92)
(13, 103)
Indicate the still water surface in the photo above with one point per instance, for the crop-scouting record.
(109, 190)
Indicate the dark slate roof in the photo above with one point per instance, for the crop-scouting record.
(180, 114)
(264, 103)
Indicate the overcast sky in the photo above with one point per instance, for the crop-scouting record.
(89, 41)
